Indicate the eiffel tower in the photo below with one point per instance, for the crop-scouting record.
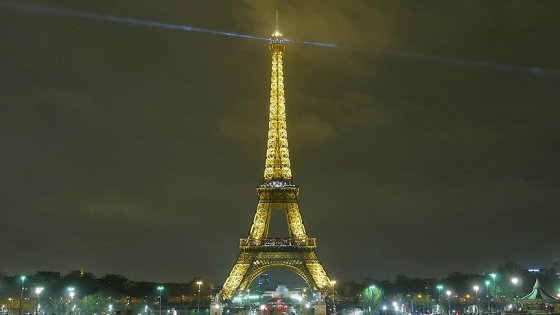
(277, 193)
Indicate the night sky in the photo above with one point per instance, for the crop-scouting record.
(426, 140)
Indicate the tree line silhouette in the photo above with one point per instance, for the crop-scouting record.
(117, 293)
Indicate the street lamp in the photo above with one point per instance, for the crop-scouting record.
(160, 288)
(198, 307)
(493, 275)
(333, 283)
(439, 287)
(487, 295)
(38, 291)
(21, 295)
(515, 281)
(476, 297)
(371, 288)
(448, 293)
(11, 305)
(71, 293)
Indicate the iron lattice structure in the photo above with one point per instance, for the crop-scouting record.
(277, 193)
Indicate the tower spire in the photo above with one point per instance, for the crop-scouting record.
(277, 21)
(277, 170)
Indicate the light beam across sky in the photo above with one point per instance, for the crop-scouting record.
(112, 18)
(443, 59)
(432, 58)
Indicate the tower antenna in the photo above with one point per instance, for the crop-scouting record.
(277, 20)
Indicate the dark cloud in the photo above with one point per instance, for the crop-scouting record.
(136, 150)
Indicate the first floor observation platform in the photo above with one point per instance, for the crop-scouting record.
(276, 243)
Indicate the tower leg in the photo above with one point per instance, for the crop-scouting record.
(237, 274)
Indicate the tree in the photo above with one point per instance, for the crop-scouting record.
(114, 285)
(371, 298)
(505, 289)
(84, 283)
(57, 306)
(93, 304)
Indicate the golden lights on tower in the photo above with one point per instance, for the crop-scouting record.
(277, 193)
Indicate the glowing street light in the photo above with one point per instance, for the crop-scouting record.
(198, 307)
(476, 297)
(493, 275)
(71, 293)
(21, 295)
(448, 293)
(487, 294)
(38, 291)
(371, 288)
(439, 288)
(333, 283)
(515, 281)
(160, 288)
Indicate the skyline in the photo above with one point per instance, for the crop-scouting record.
(525, 278)
(508, 275)
(144, 145)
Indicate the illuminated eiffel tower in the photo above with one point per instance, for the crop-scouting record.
(277, 192)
